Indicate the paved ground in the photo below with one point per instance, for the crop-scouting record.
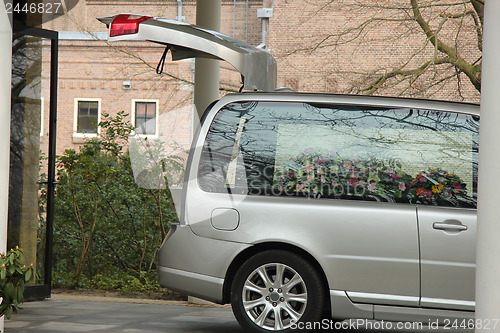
(71, 313)
(102, 314)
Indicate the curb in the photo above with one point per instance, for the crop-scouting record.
(112, 299)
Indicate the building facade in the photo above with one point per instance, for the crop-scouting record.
(324, 46)
(96, 77)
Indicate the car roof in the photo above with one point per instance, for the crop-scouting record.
(382, 101)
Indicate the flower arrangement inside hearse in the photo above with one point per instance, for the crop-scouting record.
(331, 176)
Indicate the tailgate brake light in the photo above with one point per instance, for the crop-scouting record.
(126, 24)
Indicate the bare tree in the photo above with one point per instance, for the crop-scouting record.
(417, 46)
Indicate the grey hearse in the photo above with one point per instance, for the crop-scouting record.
(300, 206)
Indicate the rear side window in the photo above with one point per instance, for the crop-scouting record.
(342, 152)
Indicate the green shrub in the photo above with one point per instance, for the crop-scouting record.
(107, 230)
(14, 274)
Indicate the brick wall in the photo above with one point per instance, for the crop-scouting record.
(313, 53)
(91, 69)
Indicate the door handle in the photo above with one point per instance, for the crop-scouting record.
(449, 226)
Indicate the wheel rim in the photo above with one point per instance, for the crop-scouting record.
(274, 296)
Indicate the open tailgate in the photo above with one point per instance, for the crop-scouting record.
(257, 66)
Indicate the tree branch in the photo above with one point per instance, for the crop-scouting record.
(472, 72)
(400, 72)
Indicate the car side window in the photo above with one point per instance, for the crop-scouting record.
(342, 152)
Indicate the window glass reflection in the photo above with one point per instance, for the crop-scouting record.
(323, 151)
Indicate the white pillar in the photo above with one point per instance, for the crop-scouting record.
(206, 73)
(488, 227)
(5, 84)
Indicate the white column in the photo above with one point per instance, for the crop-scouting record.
(5, 84)
(488, 227)
(206, 73)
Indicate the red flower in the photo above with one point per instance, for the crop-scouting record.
(421, 191)
(394, 177)
(353, 181)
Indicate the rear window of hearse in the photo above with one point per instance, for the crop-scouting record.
(342, 152)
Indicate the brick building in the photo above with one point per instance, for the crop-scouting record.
(307, 39)
(343, 46)
(96, 77)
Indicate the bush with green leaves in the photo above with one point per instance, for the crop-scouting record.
(105, 225)
(14, 275)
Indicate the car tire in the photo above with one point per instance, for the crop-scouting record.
(279, 291)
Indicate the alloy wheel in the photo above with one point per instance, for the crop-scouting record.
(274, 296)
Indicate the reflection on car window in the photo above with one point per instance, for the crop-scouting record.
(324, 151)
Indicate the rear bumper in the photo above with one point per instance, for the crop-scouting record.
(195, 265)
(193, 284)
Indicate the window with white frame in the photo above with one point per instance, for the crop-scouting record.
(87, 116)
(144, 116)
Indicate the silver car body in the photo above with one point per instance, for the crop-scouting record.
(378, 260)
(381, 260)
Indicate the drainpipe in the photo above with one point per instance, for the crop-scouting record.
(5, 85)
(265, 14)
(179, 16)
(488, 228)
